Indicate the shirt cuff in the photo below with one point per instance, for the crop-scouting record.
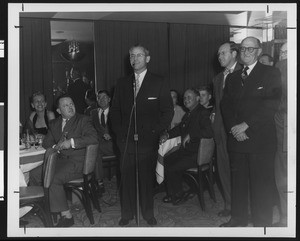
(72, 143)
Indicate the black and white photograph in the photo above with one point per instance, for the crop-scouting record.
(151, 120)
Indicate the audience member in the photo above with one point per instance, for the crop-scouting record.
(91, 101)
(101, 122)
(77, 90)
(154, 112)
(69, 134)
(178, 110)
(227, 56)
(206, 97)
(195, 125)
(281, 129)
(38, 120)
(251, 98)
(266, 59)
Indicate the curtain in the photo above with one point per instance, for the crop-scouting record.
(193, 54)
(35, 62)
(112, 42)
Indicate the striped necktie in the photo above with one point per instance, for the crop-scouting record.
(244, 74)
(137, 84)
(64, 122)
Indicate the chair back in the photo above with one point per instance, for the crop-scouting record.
(90, 158)
(49, 166)
(205, 151)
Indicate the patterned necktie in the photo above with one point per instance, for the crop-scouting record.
(103, 119)
(244, 74)
(137, 84)
(63, 124)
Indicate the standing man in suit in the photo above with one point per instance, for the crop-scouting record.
(69, 134)
(77, 90)
(281, 130)
(154, 112)
(101, 122)
(227, 55)
(251, 98)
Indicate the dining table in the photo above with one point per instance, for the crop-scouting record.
(30, 158)
(165, 149)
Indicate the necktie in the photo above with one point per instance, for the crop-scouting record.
(137, 84)
(244, 73)
(63, 124)
(226, 72)
(103, 119)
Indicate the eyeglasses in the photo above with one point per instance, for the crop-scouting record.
(249, 49)
(140, 55)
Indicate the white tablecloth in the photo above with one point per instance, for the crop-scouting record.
(164, 149)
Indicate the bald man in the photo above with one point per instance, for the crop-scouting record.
(250, 101)
(281, 130)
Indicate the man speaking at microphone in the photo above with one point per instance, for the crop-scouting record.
(154, 112)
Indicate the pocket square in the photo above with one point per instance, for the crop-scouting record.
(261, 87)
(152, 98)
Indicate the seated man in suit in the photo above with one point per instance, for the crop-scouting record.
(102, 125)
(69, 134)
(195, 125)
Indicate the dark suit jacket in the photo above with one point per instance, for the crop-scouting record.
(154, 112)
(255, 103)
(106, 147)
(218, 125)
(77, 91)
(79, 127)
(195, 123)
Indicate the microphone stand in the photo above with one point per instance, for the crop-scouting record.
(135, 137)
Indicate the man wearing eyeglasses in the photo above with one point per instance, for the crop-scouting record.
(154, 112)
(251, 98)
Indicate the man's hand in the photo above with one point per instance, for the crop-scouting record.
(163, 138)
(238, 129)
(63, 145)
(186, 139)
(106, 137)
(241, 137)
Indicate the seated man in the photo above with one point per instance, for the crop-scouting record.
(102, 125)
(195, 125)
(69, 134)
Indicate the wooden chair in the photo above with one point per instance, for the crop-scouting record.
(85, 188)
(109, 162)
(196, 177)
(38, 196)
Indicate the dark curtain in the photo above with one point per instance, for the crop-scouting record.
(112, 42)
(35, 62)
(193, 54)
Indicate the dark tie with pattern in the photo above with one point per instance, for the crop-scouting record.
(103, 119)
(244, 74)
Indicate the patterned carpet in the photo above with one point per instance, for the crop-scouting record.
(188, 214)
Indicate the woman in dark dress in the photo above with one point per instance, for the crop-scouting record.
(37, 122)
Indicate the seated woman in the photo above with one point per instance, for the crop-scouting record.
(194, 126)
(206, 97)
(37, 122)
(178, 110)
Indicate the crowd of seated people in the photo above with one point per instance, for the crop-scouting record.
(193, 121)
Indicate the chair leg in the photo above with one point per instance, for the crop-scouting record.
(201, 191)
(93, 194)
(87, 203)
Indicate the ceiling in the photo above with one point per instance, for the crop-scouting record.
(79, 25)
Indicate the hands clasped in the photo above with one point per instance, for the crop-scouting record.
(239, 131)
(63, 145)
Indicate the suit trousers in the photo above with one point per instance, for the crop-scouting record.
(223, 166)
(66, 169)
(281, 168)
(146, 173)
(174, 166)
(256, 172)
